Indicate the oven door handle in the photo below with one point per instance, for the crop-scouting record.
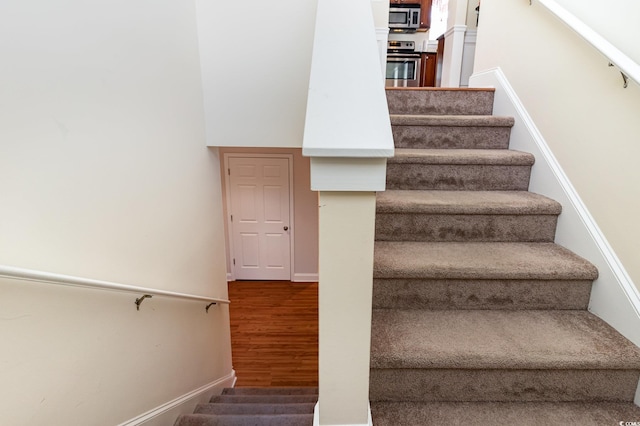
(403, 55)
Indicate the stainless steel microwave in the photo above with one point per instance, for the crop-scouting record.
(404, 18)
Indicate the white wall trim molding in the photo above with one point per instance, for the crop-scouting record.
(614, 297)
(316, 417)
(230, 277)
(453, 51)
(470, 36)
(305, 278)
(167, 413)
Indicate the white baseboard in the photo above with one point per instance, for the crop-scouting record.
(316, 418)
(167, 413)
(614, 297)
(230, 277)
(305, 278)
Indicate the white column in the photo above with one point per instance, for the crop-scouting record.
(454, 43)
(468, 57)
(453, 50)
(382, 37)
(346, 227)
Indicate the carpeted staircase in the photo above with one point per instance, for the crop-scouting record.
(479, 318)
(255, 407)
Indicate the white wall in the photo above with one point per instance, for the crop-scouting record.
(305, 212)
(104, 174)
(380, 10)
(578, 103)
(256, 58)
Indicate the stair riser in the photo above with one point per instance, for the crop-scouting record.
(263, 399)
(271, 391)
(481, 294)
(435, 227)
(440, 137)
(458, 177)
(440, 102)
(503, 385)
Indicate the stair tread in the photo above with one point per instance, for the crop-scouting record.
(465, 202)
(270, 391)
(450, 120)
(502, 413)
(462, 156)
(479, 260)
(486, 339)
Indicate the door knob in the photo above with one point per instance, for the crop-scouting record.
(286, 228)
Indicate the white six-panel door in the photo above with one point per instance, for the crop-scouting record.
(260, 222)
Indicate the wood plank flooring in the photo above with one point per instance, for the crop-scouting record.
(274, 333)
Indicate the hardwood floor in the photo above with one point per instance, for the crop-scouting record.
(274, 333)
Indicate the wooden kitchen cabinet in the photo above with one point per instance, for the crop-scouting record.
(428, 65)
(425, 14)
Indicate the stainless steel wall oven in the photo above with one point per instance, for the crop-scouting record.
(403, 64)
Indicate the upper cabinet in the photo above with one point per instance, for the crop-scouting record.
(425, 14)
(425, 10)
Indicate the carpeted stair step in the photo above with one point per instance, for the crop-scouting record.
(465, 216)
(450, 131)
(480, 261)
(240, 408)
(271, 391)
(459, 169)
(245, 420)
(457, 275)
(457, 355)
(503, 413)
(509, 294)
(440, 101)
(251, 406)
(263, 399)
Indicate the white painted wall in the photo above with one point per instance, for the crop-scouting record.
(104, 174)
(256, 58)
(305, 211)
(579, 105)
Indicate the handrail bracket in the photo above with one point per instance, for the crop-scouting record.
(625, 78)
(208, 306)
(139, 300)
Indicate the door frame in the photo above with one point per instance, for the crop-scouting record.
(292, 229)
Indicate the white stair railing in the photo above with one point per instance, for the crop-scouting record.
(72, 281)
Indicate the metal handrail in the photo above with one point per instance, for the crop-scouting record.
(629, 69)
(68, 280)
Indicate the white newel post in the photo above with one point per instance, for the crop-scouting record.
(348, 138)
(345, 291)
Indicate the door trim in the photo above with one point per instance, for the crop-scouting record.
(292, 225)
